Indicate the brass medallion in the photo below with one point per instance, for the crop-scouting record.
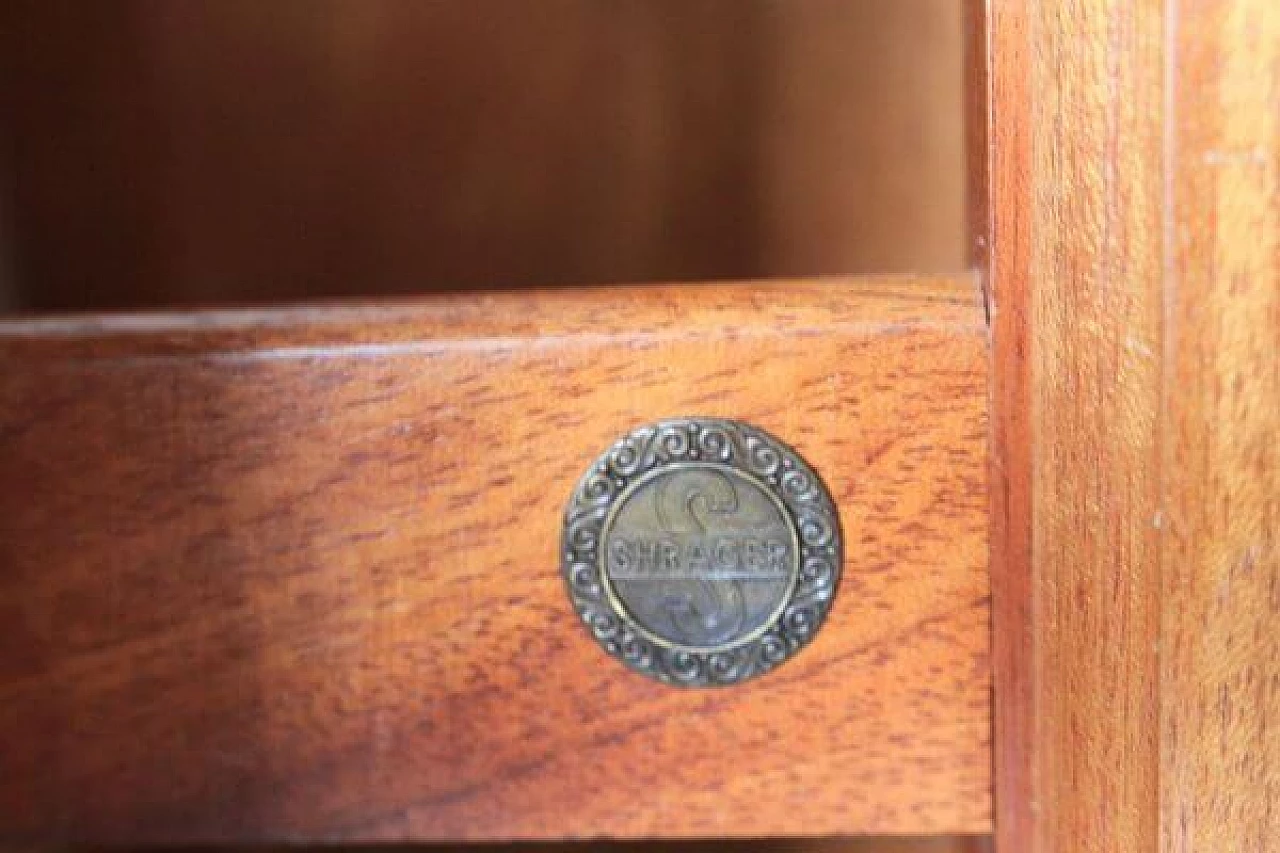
(701, 551)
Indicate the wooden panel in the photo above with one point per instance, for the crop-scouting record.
(1085, 183)
(1077, 283)
(919, 844)
(1005, 114)
(873, 844)
(195, 153)
(1220, 523)
(1134, 214)
(294, 574)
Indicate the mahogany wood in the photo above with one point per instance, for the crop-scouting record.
(1134, 283)
(1220, 514)
(1005, 114)
(293, 574)
(1076, 272)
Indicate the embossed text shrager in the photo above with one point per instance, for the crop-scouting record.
(701, 551)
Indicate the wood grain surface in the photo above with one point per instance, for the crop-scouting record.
(293, 574)
(1220, 518)
(1134, 277)
(1077, 198)
(1004, 112)
(880, 844)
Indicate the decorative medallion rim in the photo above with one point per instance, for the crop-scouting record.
(747, 452)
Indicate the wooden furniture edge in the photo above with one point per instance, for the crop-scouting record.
(261, 473)
(1132, 179)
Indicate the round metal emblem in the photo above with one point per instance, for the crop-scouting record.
(701, 551)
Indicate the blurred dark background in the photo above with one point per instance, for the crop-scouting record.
(181, 153)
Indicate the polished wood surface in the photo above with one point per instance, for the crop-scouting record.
(1077, 191)
(1220, 519)
(1134, 214)
(1005, 113)
(881, 844)
(293, 574)
(168, 154)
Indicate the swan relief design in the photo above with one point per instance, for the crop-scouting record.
(700, 610)
(700, 556)
(701, 551)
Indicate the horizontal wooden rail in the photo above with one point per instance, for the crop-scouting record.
(293, 574)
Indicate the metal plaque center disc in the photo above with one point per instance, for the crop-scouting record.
(701, 551)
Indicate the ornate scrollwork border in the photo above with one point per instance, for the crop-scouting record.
(767, 461)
